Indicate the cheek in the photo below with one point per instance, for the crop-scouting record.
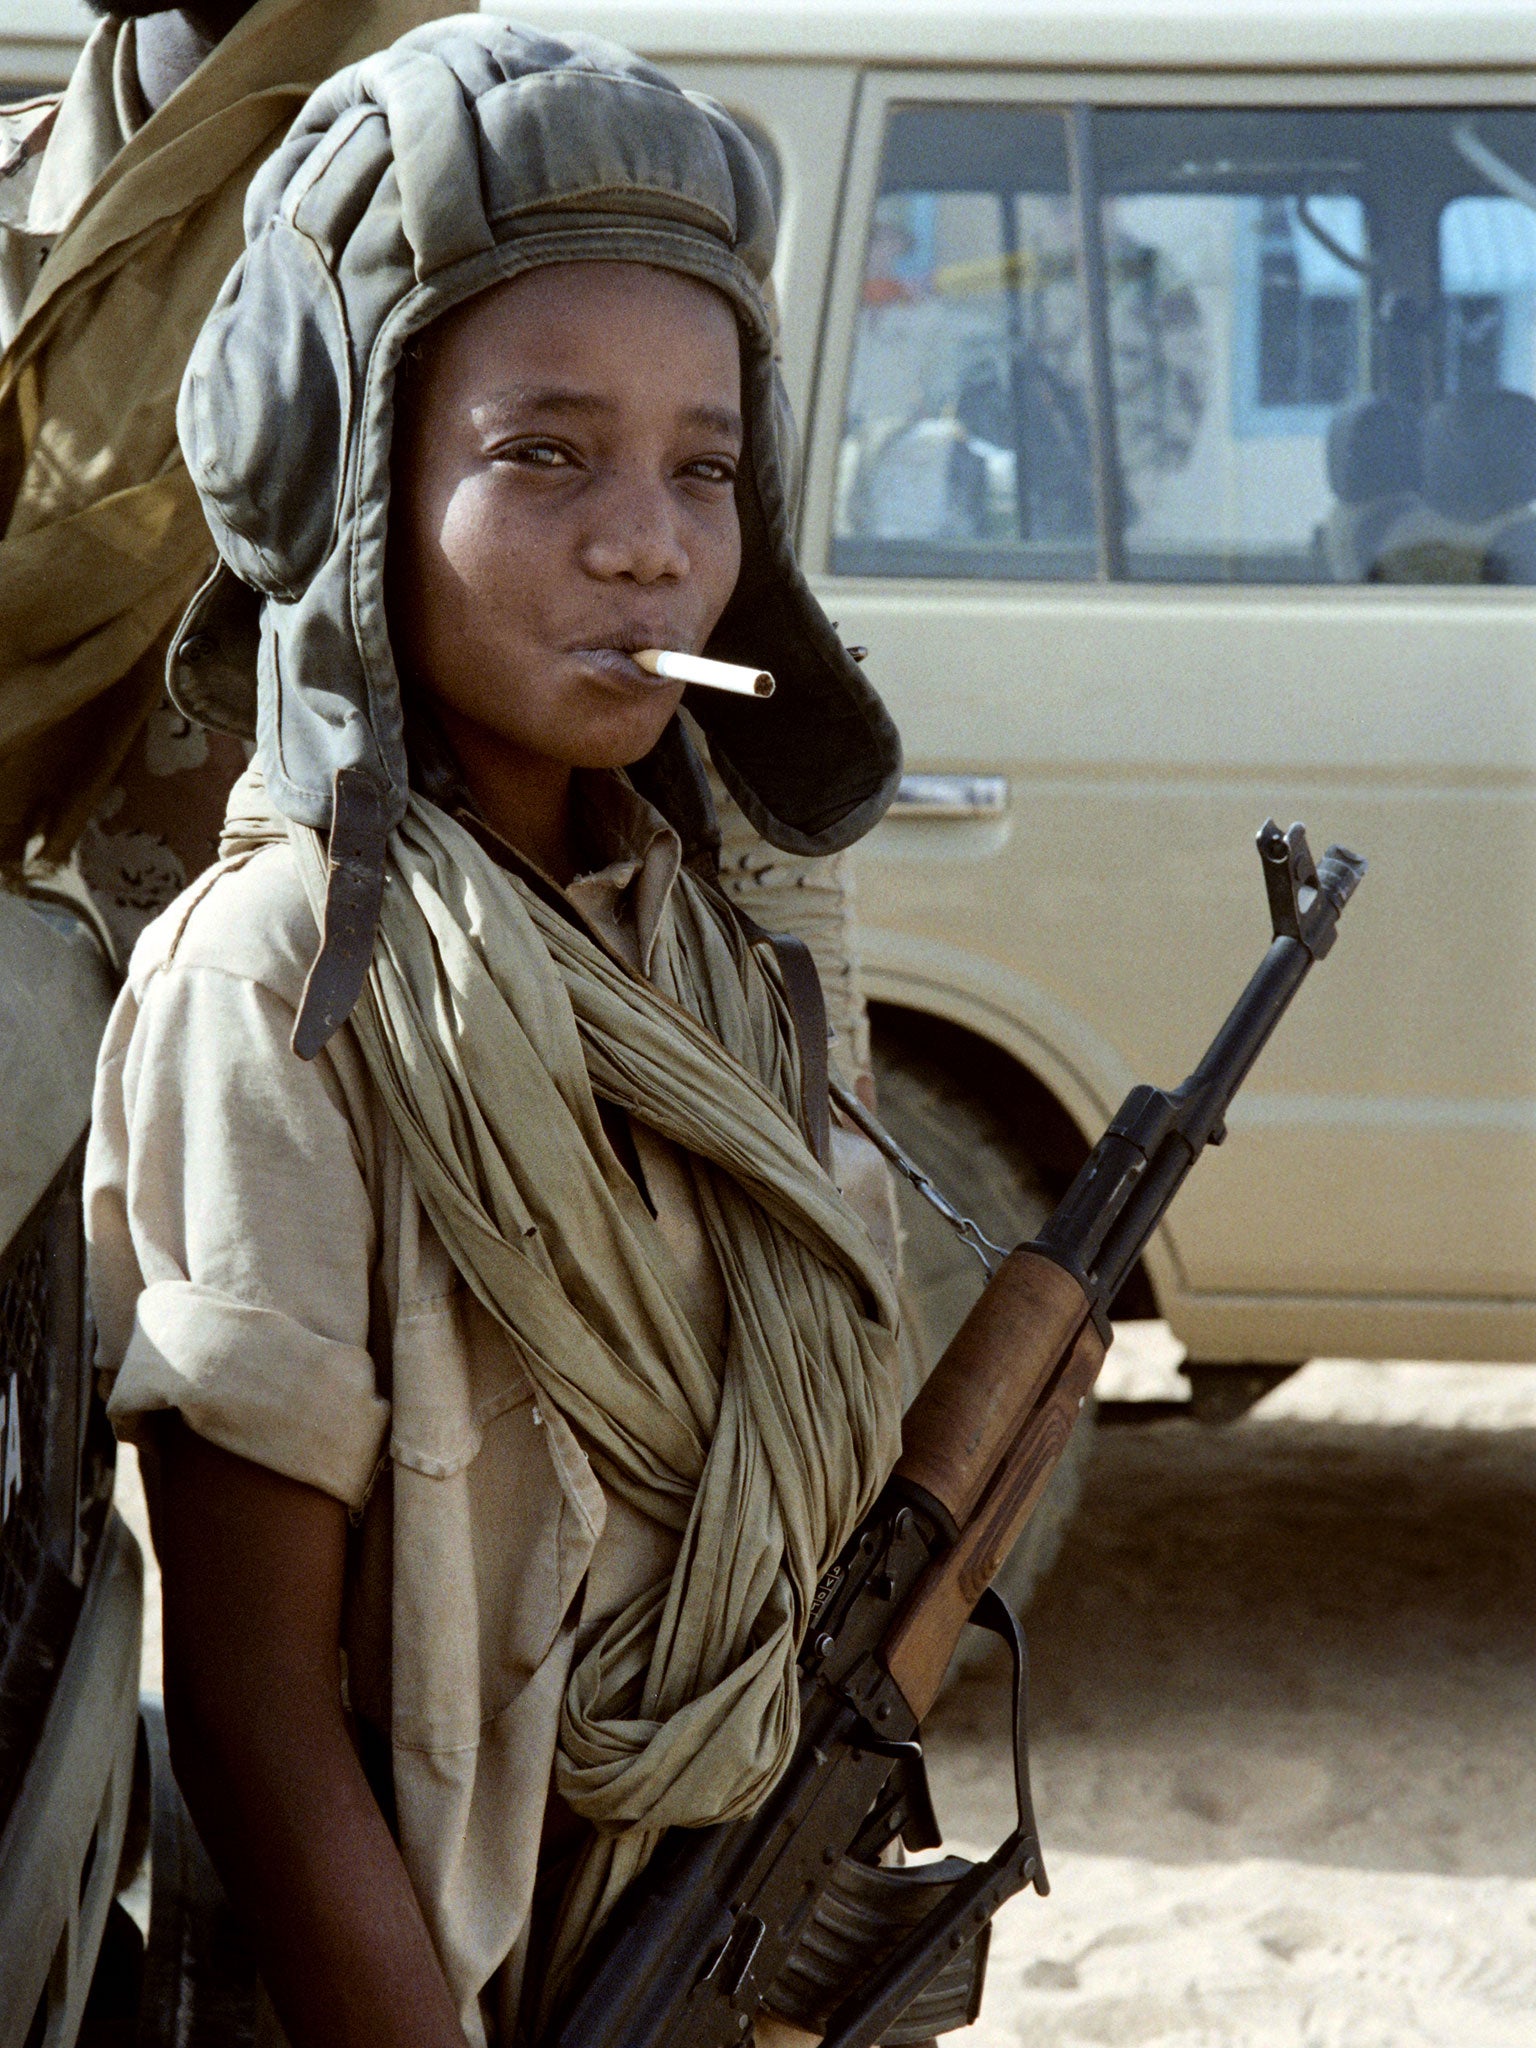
(716, 554)
(484, 548)
(470, 607)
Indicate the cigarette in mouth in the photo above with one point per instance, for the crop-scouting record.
(712, 675)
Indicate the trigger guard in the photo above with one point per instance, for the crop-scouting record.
(993, 1614)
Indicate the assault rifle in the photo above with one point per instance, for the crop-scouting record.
(791, 1910)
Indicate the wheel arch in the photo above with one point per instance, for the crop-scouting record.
(1038, 1099)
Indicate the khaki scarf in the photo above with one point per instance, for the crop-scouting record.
(104, 541)
(488, 1022)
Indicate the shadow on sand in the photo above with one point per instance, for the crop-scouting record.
(1309, 1640)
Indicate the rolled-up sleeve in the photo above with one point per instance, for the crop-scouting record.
(231, 1234)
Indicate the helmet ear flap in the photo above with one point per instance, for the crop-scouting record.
(786, 437)
(265, 412)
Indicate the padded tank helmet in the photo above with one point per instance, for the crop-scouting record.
(468, 152)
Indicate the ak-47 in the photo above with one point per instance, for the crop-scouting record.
(791, 1910)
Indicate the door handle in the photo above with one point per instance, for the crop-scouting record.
(951, 796)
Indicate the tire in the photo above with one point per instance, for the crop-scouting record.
(981, 1166)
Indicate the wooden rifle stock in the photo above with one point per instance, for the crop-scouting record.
(982, 1439)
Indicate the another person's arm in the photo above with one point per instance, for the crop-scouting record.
(810, 900)
(252, 1566)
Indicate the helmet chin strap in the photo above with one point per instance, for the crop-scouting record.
(353, 896)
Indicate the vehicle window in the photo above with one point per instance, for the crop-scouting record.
(966, 445)
(1317, 345)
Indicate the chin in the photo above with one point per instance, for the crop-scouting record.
(621, 744)
(610, 759)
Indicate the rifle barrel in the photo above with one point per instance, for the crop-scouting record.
(1103, 1223)
(1208, 1094)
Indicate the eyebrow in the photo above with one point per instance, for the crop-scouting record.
(558, 399)
(717, 418)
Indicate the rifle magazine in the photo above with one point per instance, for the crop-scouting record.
(866, 1912)
(897, 1955)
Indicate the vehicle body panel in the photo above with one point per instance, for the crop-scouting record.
(1378, 1187)
(1273, 34)
(39, 43)
(62, 1843)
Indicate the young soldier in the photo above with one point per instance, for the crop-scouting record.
(120, 215)
(508, 1367)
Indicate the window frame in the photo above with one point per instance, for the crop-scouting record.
(881, 90)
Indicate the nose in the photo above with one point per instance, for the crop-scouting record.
(635, 533)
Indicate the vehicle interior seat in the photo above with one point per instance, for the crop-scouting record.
(919, 483)
(1373, 458)
(1476, 523)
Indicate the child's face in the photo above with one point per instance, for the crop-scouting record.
(563, 495)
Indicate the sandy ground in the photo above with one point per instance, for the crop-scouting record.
(1284, 1727)
(1284, 1731)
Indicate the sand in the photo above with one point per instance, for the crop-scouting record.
(1284, 1727)
(1284, 1731)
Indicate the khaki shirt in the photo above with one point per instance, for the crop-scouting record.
(260, 1263)
(159, 824)
(52, 151)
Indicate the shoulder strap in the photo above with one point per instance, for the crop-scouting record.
(808, 1008)
(808, 1013)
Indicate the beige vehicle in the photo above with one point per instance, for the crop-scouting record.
(1167, 376)
(39, 42)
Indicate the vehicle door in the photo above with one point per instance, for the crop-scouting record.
(1174, 454)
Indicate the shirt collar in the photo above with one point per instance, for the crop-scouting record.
(623, 902)
(627, 897)
(101, 111)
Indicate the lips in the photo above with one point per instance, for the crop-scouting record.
(616, 665)
(629, 635)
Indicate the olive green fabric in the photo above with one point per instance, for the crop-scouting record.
(488, 1020)
(104, 541)
(468, 153)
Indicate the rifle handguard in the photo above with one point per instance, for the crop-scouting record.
(980, 1393)
(1049, 1390)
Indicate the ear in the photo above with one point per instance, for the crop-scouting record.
(264, 413)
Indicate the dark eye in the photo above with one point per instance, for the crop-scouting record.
(541, 455)
(712, 469)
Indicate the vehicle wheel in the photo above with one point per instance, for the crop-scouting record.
(981, 1166)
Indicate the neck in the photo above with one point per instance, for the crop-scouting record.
(171, 45)
(525, 798)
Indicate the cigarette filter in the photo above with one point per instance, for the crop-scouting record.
(710, 675)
